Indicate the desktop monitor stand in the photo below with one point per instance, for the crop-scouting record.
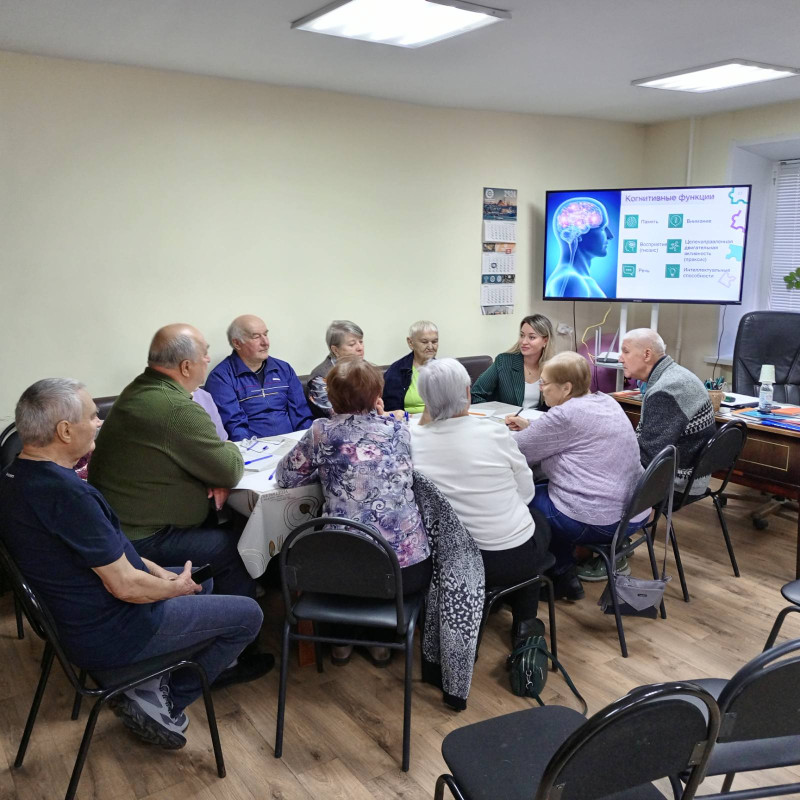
(610, 358)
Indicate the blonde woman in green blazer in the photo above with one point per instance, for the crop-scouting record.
(514, 376)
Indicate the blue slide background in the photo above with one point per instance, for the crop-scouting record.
(603, 270)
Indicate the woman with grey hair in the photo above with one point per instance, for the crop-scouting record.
(343, 338)
(400, 391)
(479, 469)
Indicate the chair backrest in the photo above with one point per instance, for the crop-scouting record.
(10, 446)
(754, 704)
(334, 555)
(37, 614)
(654, 732)
(475, 365)
(719, 453)
(768, 337)
(654, 488)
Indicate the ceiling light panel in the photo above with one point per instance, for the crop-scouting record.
(403, 23)
(714, 77)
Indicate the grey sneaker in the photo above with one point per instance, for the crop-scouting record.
(147, 711)
(595, 570)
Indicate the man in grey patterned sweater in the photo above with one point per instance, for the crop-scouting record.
(675, 405)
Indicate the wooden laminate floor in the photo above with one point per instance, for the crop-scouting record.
(343, 728)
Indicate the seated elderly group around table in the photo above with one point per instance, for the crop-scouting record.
(112, 558)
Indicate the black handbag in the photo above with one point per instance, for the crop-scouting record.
(528, 665)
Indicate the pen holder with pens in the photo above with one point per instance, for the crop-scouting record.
(716, 396)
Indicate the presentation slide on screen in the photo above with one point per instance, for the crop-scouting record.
(647, 244)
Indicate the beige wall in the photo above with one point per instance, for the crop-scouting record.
(134, 197)
(665, 157)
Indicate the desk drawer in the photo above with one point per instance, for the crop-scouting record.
(768, 457)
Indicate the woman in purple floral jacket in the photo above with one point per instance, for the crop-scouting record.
(363, 461)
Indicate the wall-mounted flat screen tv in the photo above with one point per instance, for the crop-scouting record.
(665, 245)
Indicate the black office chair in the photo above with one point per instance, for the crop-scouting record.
(10, 447)
(719, 454)
(496, 593)
(347, 576)
(654, 490)
(553, 752)
(760, 726)
(117, 681)
(768, 337)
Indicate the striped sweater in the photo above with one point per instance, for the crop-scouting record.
(675, 410)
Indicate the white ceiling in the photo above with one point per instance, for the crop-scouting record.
(572, 57)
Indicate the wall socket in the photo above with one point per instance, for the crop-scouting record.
(564, 329)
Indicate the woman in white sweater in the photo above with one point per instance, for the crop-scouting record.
(480, 470)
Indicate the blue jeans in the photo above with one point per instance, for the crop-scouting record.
(226, 624)
(204, 544)
(567, 532)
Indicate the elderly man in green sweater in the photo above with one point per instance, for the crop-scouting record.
(159, 459)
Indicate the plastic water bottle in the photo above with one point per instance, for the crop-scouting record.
(765, 397)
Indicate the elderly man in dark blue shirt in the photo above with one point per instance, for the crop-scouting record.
(111, 607)
(256, 394)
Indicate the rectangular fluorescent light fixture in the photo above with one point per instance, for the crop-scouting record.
(711, 78)
(403, 23)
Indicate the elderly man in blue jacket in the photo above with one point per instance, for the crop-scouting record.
(256, 394)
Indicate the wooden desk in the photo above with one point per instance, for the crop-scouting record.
(770, 461)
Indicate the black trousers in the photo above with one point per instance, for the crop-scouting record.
(507, 567)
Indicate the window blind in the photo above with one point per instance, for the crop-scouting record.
(786, 237)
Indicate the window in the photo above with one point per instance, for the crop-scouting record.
(786, 236)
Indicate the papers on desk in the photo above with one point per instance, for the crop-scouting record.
(732, 400)
(261, 457)
(497, 412)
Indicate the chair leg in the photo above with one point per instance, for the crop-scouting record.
(654, 566)
(776, 626)
(450, 782)
(282, 691)
(211, 716)
(47, 663)
(487, 609)
(409, 655)
(724, 527)
(679, 563)
(727, 783)
(76, 705)
(83, 751)
(18, 615)
(551, 614)
(677, 787)
(615, 603)
(317, 649)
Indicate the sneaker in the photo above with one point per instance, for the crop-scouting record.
(146, 710)
(247, 668)
(595, 570)
(380, 656)
(340, 654)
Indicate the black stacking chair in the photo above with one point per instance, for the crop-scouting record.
(760, 726)
(496, 593)
(10, 447)
(719, 454)
(791, 592)
(117, 681)
(552, 752)
(654, 490)
(348, 575)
